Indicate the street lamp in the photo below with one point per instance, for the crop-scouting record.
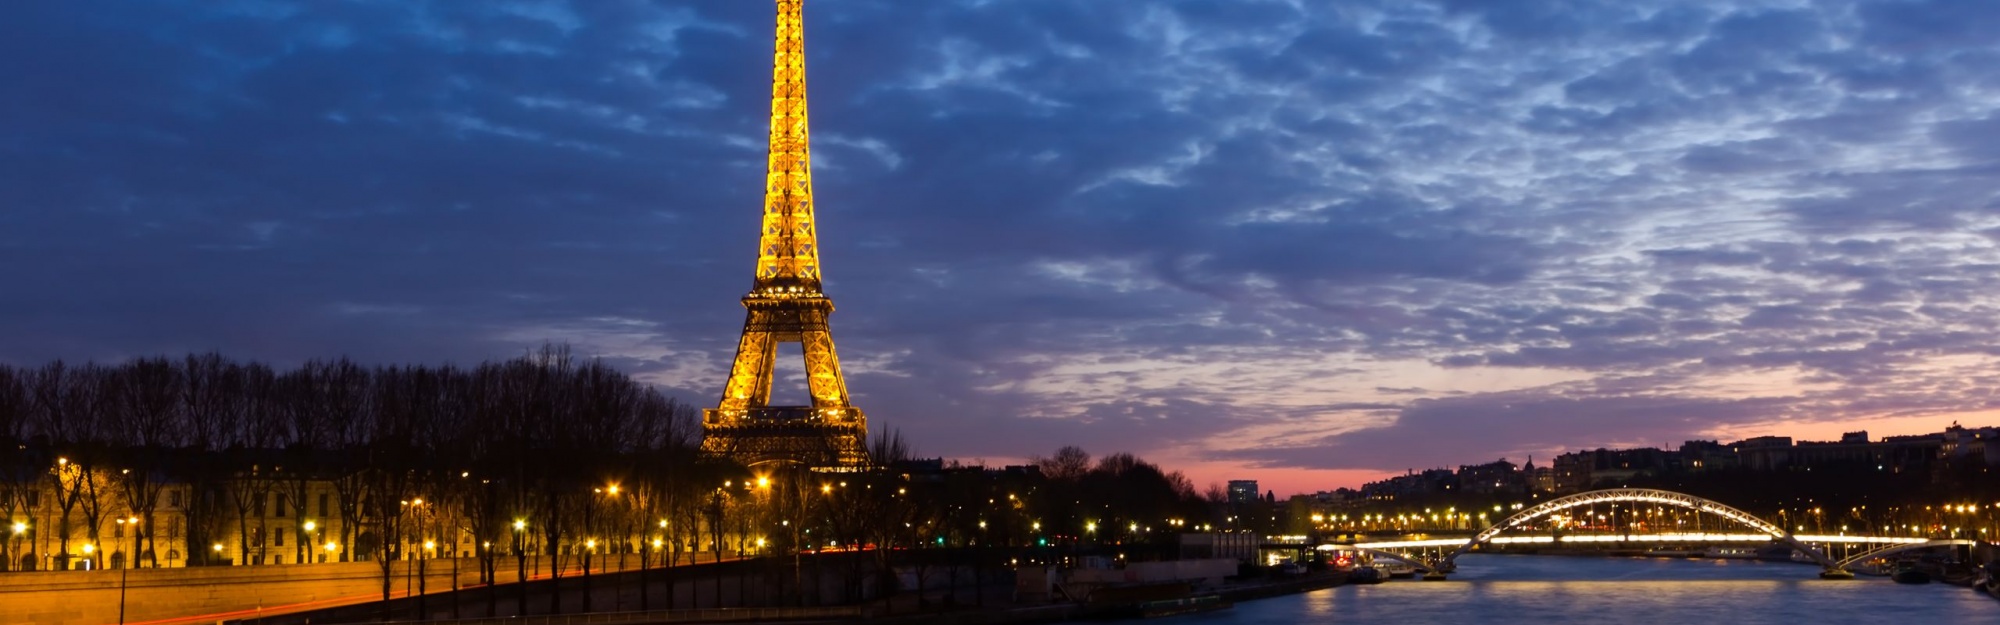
(130, 561)
(309, 526)
(589, 554)
(423, 577)
(415, 507)
(520, 567)
(13, 543)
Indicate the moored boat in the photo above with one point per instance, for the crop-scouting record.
(1366, 575)
(1730, 553)
(1989, 579)
(1910, 574)
(1184, 605)
(1397, 570)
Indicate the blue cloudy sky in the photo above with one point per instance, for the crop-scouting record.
(1306, 241)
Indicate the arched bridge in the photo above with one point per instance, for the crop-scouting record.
(1766, 531)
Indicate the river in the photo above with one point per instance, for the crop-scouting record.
(1508, 590)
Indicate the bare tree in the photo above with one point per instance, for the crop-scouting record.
(19, 469)
(345, 391)
(249, 470)
(212, 408)
(147, 410)
(67, 403)
(1067, 465)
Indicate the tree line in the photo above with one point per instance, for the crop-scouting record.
(406, 449)
(546, 454)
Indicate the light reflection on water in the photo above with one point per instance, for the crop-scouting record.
(1508, 590)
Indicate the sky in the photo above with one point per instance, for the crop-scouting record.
(1308, 242)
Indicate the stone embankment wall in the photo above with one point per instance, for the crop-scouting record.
(92, 597)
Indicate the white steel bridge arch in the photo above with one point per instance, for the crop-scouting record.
(1634, 495)
(1897, 548)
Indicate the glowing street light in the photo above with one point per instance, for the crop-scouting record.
(520, 566)
(132, 560)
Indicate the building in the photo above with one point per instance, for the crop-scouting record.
(1584, 470)
(71, 516)
(1763, 453)
(1412, 484)
(1897, 454)
(77, 518)
(1976, 446)
(1244, 492)
(1542, 479)
(1700, 456)
(1241, 547)
(1497, 477)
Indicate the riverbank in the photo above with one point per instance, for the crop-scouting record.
(905, 612)
(1521, 590)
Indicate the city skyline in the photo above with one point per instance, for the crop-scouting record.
(1304, 244)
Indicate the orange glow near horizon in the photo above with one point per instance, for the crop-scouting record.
(1284, 482)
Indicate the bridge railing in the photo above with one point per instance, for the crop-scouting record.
(1650, 538)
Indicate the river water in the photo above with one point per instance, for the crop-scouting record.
(1508, 590)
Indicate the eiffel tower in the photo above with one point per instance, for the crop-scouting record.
(786, 304)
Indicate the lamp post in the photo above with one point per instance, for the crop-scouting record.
(645, 562)
(590, 545)
(130, 561)
(520, 569)
(646, 549)
(423, 559)
(309, 526)
(415, 507)
(715, 509)
(14, 543)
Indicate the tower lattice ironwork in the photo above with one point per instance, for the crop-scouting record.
(785, 302)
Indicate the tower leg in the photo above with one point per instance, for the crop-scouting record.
(750, 375)
(823, 369)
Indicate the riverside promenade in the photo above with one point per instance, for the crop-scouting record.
(352, 592)
(207, 595)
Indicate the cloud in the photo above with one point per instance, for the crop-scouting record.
(1204, 229)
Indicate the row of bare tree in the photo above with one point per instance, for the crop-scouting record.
(407, 450)
(544, 454)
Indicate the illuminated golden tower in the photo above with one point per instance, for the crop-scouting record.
(785, 302)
